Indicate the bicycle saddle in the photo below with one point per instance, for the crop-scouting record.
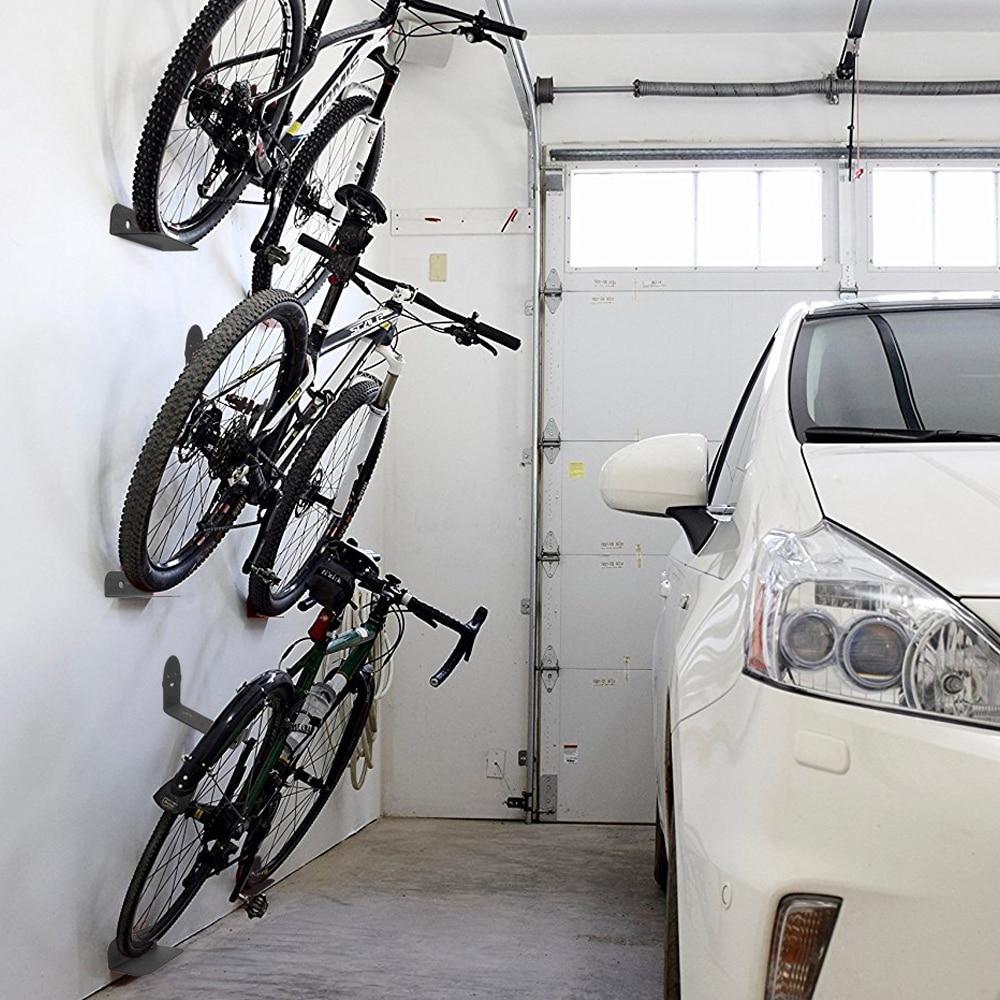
(366, 203)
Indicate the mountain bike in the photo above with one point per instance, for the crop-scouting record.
(251, 421)
(222, 121)
(245, 796)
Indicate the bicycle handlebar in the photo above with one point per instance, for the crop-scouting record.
(466, 633)
(346, 566)
(477, 20)
(472, 322)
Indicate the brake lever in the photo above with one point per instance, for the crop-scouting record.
(474, 34)
(469, 338)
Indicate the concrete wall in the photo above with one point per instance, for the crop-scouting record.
(95, 331)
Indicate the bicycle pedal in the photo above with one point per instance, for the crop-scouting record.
(256, 906)
(265, 575)
(276, 255)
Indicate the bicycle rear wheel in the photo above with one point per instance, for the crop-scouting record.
(187, 488)
(301, 524)
(201, 106)
(185, 850)
(321, 165)
(319, 764)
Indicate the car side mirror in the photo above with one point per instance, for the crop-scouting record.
(664, 476)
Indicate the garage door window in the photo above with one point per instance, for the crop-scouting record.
(688, 219)
(943, 218)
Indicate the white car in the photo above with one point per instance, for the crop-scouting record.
(827, 666)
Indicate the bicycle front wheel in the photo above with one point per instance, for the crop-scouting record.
(315, 771)
(185, 850)
(320, 166)
(302, 523)
(188, 486)
(233, 51)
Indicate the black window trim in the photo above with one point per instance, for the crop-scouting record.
(716, 471)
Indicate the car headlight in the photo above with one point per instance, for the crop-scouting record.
(835, 616)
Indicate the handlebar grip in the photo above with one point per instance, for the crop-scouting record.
(488, 332)
(499, 28)
(463, 648)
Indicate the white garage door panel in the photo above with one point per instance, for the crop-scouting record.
(627, 355)
(606, 770)
(642, 363)
(610, 606)
(587, 525)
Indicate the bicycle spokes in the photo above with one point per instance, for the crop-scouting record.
(214, 133)
(205, 474)
(313, 517)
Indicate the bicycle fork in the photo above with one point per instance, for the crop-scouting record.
(378, 409)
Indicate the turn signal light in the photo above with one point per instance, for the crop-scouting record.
(803, 928)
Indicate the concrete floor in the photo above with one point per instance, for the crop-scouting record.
(441, 910)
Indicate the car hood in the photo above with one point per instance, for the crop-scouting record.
(934, 506)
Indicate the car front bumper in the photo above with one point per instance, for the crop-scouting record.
(778, 793)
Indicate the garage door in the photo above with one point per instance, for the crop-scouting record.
(665, 282)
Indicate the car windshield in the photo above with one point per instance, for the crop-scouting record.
(913, 374)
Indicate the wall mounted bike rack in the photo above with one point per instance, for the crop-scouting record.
(154, 959)
(124, 224)
(172, 703)
(116, 585)
(160, 954)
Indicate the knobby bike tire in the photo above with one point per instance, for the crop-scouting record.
(266, 274)
(171, 423)
(270, 600)
(167, 101)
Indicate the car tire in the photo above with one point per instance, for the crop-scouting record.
(660, 857)
(671, 936)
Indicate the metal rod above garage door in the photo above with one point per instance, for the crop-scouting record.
(632, 154)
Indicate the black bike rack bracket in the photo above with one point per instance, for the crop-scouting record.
(124, 224)
(150, 961)
(116, 585)
(172, 704)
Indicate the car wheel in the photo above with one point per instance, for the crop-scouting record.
(660, 857)
(671, 936)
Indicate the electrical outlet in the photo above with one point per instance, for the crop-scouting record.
(496, 761)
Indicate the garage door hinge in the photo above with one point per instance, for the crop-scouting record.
(551, 441)
(549, 556)
(549, 668)
(522, 801)
(553, 290)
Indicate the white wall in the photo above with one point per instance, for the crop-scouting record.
(458, 506)
(457, 517)
(95, 332)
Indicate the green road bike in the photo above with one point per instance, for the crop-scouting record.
(256, 781)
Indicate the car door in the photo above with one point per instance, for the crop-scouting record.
(700, 604)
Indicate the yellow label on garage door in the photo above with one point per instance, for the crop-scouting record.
(577, 470)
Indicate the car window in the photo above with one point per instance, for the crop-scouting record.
(731, 462)
(919, 369)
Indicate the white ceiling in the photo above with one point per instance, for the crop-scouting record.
(681, 16)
